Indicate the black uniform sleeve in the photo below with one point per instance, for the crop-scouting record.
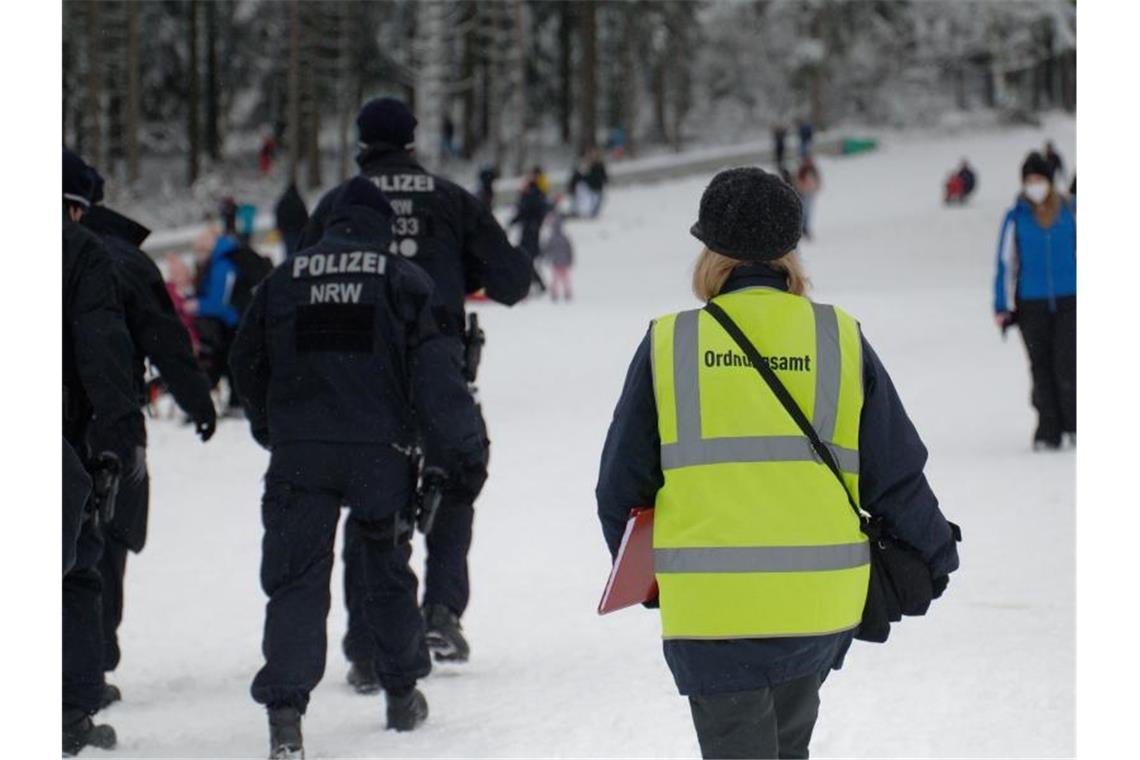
(249, 364)
(489, 260)
(443, 405)
(891, 479)
(103, 352)
(630, 473)
(160, 335)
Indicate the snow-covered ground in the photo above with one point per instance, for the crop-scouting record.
(989, 672)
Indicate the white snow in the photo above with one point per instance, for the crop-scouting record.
(989, 672)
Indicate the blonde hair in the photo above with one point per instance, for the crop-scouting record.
(712, 269)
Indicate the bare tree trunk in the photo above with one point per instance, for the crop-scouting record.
(565, 71)
(93, 116)
(133, 92)
(192, 128)
(213, 142)
(345, 87)
(430, 71)
(631, 86)
(519, 77)
(587, 103)
(294, 125)
(468, 102)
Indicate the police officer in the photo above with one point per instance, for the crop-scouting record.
(98, 407)
(337, 361)
(761, 562)
(458, 242)
(158, 336)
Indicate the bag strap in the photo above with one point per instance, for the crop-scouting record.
(821, 450)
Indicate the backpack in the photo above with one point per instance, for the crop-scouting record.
(251, 268)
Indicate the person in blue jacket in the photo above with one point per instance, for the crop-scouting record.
(1036, 288)
(758, 697)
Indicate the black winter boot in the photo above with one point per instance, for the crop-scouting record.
(445, 635)
(111, 695)
(362, 677)
(285, 741)
(406, 711)
(80, 731)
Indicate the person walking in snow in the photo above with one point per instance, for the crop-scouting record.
(1035, 287)
(808, 184)
(760, 560)
(559, 253)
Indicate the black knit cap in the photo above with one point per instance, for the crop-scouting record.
(359, 191)
(1035, 163)
(748, 214)
(77, 181)
(386, 120)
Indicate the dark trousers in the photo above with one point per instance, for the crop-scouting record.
(304, 490)
(124, 534)
(82, 624)
(776, 722)
(1050, 337)
(76, 491)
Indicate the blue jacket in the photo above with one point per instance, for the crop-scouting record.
(1035, 264)
(891, 483)
(215, 298)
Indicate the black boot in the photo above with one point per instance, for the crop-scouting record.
(407, 711)
(362, 677)
(445, 635)
(80, 731)
(111, 695)
(1046, 438)
(285, 734)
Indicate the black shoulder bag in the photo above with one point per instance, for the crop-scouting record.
(900, 579)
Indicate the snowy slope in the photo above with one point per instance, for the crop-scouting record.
(988, 673)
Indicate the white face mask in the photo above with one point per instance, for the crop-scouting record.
(1036, 191)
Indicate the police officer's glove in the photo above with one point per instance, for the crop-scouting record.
(261, 435)
(206, 424)
(939, 585)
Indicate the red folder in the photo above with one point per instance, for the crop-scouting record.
(632, 580)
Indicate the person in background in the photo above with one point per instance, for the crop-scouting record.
(595, 179)
(540, 179)
(486, 193)
(180, 288)
(738, 502)
(530, 212)
(291, 216)
(806, 133)
(808, 185)
(960, 184)
(266, 154)
(1035, 287)
(559, 253)
(780, 146)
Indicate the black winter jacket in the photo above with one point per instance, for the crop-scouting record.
(156, 330)
(98, 398)
(340, 346)
(444, 229)
(891, 483)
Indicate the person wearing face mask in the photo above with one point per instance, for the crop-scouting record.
(1036, 288)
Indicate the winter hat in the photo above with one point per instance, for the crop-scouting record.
(1035, 163)
(748, 214)
(363, 192)
(97, 183)
(386, 120)
(77, 183)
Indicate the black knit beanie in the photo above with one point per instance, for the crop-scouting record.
(1035, 163)
(359, 191)
(77, 181)
(386, 120)
(750, 215)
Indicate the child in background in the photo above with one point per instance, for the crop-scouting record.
(559, 252)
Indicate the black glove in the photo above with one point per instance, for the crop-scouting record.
(939, 585)
(261, 435)
(206, 424)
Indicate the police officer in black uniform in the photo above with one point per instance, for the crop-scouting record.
(158, 336)
(459, 243)
(97, 409)
(342, 369)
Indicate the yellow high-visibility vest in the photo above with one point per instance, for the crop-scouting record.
(753, 535)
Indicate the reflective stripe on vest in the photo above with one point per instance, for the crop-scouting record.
(753, 535)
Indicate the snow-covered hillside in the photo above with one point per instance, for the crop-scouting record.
(989, 672)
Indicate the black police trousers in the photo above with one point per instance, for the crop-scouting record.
(125, 533)
(776, 722)
(305, 487)
(82, 624)
(446, 581)
(1050, 335)
(76, 492)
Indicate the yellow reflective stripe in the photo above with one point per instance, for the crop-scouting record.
(762, 559)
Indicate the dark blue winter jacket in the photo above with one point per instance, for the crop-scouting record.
(891, 484)
(214, 300)
(1033, 263)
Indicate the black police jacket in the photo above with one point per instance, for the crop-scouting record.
(156, 330)
(339, 345)
(98, 401)
(444, 229)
